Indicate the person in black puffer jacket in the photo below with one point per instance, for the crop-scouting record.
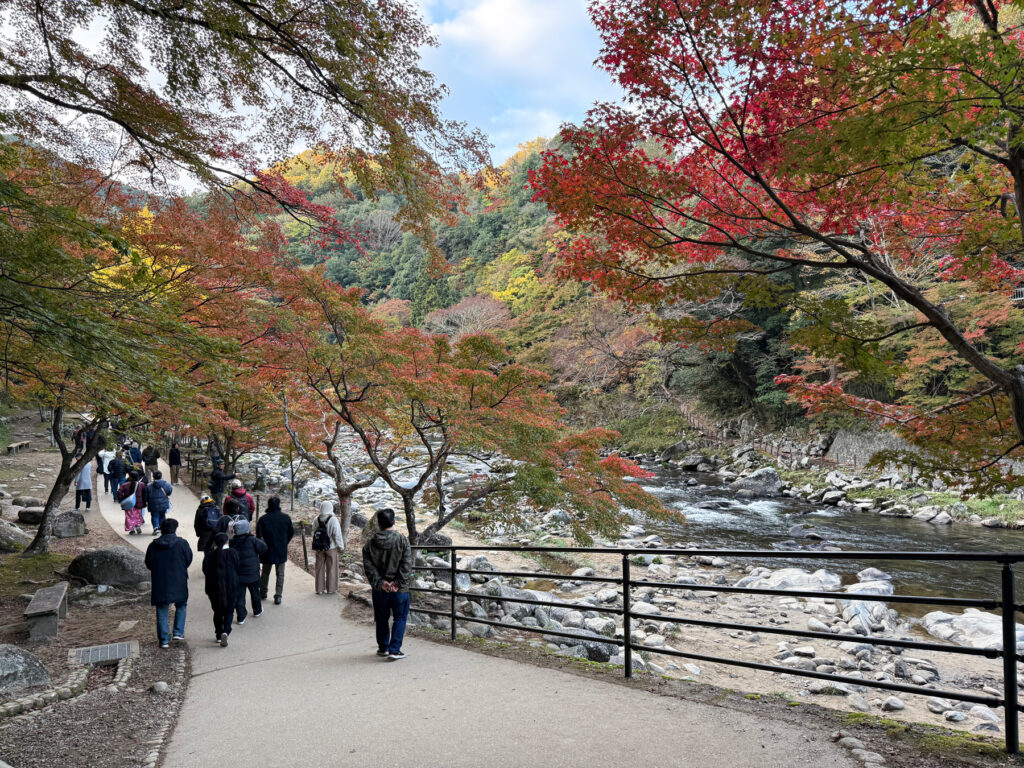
(220, 566)
(276, 529)
(249, 549)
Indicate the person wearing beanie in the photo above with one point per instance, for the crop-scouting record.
(249, 549)
(205, 523)
(276, 530)
(220, 567)
(327, 559)
(387, 563)
(168, 559)
(239, 501)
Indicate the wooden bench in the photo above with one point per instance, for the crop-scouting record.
(48, 606)
(15, 447)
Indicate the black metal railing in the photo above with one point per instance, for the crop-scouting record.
(1005, 603)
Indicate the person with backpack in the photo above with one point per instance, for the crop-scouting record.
(135, 456)
(249, 549)
(218, 481)
(387, 563)
(131, 495)
(207, 516)
(244, 499)
(174, 462)
(220, 567)
(168, 559)
(327, 545)
(234, 511)
(117, 468)
(276, 529)
(158, 502)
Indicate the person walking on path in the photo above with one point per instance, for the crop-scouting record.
(103, 459)
(242, 498)
(150, 457)
(117, 468)
(168, 559)
(174, 462)
(220, 567)
(207, 517)
(133, 488)
(387, 563)
(135, 455)
(218, 481)
(249, 549)
(327, 545)
(83, 487)
(276, 530)
(158, 502)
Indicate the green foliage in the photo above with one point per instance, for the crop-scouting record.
(651, 431)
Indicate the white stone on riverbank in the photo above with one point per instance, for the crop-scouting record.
(972, 628)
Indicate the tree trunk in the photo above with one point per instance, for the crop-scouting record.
(70, 467)
(410, 517)
(345, 502)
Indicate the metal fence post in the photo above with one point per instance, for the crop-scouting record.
(452, 566)
(627, 630)
(1010, 661)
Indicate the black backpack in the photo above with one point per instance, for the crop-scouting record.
(321, 541)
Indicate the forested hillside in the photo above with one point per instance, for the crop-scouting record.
(606, 364)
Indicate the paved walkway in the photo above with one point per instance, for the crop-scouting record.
(301, 687)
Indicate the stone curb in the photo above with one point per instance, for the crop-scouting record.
(156, 744)
(74, 686)
(857, 750)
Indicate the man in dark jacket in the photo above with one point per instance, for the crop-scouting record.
(150, 457)
(157, 500)
(276, 529)
(218, 481)
(205, 524)
(249, 549)
(174, 462)
(387, 563)
(168, 558)
(117, 469)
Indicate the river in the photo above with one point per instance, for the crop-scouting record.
(765, 524)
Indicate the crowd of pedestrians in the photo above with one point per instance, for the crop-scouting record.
(238, 558)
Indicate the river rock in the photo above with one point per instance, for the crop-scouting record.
(943, 518)
(793, 578)
(115, 566)
(31, 515)
(993, 522)
(601, 626)
(873, 574)
(583, 572)
(972, 628)
(893, 704)
(677, 450)
(763, 482)
(12, 538)
(27, 501)
(68, 525)
(435, 539)
(19, 669)
(832, 497)
(691, 462)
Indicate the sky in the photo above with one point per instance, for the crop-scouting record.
(516, 69)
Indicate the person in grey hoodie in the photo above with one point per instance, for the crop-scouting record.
(387, 562)
(327, 559)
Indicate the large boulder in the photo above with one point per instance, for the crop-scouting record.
(117, 566)
(763, 482)
(677, 450)
(436, 539)
(19, 670)
(31, 515)
(27, 501)
(972, 628)
(12, 538)
(68, 525)
(793, 578)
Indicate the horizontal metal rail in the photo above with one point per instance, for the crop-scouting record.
(1006, 604)
(771, 554)
(964, 602)
(866, 639)
(955, 695)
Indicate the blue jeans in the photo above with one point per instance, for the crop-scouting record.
(386, 605)
(162, 611)
(115, 483)
(157, 519)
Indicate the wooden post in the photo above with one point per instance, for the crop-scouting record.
(305, 552)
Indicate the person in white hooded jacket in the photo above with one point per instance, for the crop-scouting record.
(327, 559)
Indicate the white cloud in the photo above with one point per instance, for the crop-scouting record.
(516, 68)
